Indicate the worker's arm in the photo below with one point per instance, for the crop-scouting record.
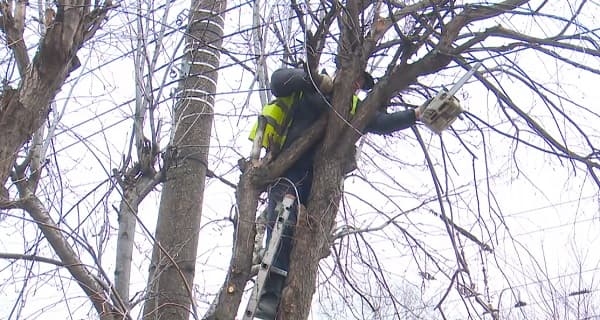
(386, 123)
(286, 81)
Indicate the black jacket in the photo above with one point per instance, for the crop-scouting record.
(312, 104)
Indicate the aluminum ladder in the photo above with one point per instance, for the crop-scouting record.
(283, 210)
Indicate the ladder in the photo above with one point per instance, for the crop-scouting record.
(283, 214)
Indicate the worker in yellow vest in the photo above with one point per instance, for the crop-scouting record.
(300, 100)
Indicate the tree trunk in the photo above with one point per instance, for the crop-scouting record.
(133, 193)
(256, 176)
(312, 237)
(313, 228)
(137, 181)
(23, 110)
(173, 263)
(229, 297)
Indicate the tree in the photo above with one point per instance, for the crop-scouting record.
(420, 39)
(24, 109)
(139, 178)
(426, 224)
(172, 269)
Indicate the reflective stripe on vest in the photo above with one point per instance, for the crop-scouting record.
(354, 104)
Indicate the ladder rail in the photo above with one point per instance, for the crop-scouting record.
(283, 216)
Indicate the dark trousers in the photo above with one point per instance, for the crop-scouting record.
(297, 182)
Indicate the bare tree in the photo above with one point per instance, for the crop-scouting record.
(25, 108)
(423, 226)
(420, 39)
(172, 269)
(137, 180)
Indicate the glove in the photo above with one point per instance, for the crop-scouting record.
(324, 83)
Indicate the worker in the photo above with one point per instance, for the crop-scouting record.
(306, 97)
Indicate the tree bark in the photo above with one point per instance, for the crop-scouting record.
(23, 110)
(229, 297)
(313, 228)
(173, 263)
(252, 182)
(312, 238)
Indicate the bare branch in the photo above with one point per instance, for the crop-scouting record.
(88, 283)
(13, 27)
(28, 257)
(23, 110)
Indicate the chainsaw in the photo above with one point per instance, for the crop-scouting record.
(440, 112)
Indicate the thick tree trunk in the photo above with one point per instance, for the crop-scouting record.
(173, 263)
(312, 238)
(313, 229)
(229, 297)
(253, 181)
(23, 110)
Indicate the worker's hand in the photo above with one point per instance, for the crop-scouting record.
(417, 113)
(324, 83)
(420, 109)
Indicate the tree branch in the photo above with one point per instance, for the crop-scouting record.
(18, 256)
(70, 259)
(266, 173)
(23, 110)
(13, 27)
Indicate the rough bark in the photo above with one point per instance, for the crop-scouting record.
(312, 238)
(173, 263)
(313, 229)
(229, 297)
(24, 109)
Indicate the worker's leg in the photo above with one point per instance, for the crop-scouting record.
(276, 195)
(302, 180)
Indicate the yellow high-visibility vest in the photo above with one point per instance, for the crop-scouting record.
(278, 115)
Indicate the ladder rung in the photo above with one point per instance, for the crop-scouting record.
(266, 266)
(278, 271)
